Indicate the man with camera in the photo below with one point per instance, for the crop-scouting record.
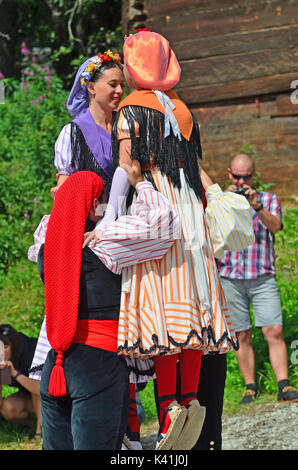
(248, 277)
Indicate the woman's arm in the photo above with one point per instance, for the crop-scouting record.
(29, 384)
(60, 180)
(206, 180)
(125, 151)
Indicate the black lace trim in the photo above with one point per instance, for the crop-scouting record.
(166, 153)
(138, 373)
(36, 368)
(165, 349)
(82, 157)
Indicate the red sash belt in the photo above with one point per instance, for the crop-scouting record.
(97, 333)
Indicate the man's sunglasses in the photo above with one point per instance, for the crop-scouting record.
(245, 177)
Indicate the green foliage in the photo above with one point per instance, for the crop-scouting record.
(31, 119)
(148, 401)
(22, 298)
(68, 29)
(287, 246)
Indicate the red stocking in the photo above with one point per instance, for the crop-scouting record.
(190, 366)
(133, 430)
(166, 376)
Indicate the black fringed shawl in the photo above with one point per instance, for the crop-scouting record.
(83, 158)
(151, 148)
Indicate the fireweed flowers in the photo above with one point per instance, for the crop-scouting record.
(24, 49)
(35, 79)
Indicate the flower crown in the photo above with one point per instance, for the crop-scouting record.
(95, 65)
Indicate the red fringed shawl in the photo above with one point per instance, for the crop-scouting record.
(62, 265)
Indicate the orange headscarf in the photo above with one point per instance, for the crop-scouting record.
(150, 61)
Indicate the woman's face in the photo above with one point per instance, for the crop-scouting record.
(107, 91)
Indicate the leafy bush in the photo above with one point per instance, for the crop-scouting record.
(31, 118)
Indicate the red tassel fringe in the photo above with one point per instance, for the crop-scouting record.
(57, 385)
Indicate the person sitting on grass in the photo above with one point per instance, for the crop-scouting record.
(18, 354)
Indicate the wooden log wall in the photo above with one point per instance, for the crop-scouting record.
(239, 59)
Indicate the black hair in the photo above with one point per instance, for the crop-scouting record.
(105, 66)
(10, 336)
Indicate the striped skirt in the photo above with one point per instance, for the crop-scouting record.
(178, 301)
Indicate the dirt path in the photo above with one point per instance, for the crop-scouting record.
(272, 426)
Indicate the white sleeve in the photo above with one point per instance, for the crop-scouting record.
(41, 351)
(39, 238)
(63, 155)
(229, 217)
(141, 237)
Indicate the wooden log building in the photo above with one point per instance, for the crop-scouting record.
(239, 61)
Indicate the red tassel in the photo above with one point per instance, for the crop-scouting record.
(57, 385)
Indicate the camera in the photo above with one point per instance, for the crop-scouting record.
(241, 191)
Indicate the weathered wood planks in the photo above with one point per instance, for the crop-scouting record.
(238, 60)
(225, 128)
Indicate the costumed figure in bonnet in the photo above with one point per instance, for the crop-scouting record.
(172, 309)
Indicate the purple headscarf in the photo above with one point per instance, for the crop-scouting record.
(78, 97)
(98, 139)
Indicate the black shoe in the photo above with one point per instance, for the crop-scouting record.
(248, 396)
(287, 393)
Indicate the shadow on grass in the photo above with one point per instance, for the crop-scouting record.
(15, 436)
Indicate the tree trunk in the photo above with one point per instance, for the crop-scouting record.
(8, 22)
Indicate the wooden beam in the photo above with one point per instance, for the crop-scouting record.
(270, 39)
(225, 128)
(160, 8)
(236, 89)
(285, 107)
(236, 67)
(192, 23)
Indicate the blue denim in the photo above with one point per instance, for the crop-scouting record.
(94, 414)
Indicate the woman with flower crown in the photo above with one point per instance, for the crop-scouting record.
(85, 144)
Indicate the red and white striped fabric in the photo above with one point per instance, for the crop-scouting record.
(131, 239)
(178, 301)
(146, 235)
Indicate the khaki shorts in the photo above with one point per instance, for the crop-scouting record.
(262, 293)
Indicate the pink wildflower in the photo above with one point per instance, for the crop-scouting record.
(24, 87)
(24, 49)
